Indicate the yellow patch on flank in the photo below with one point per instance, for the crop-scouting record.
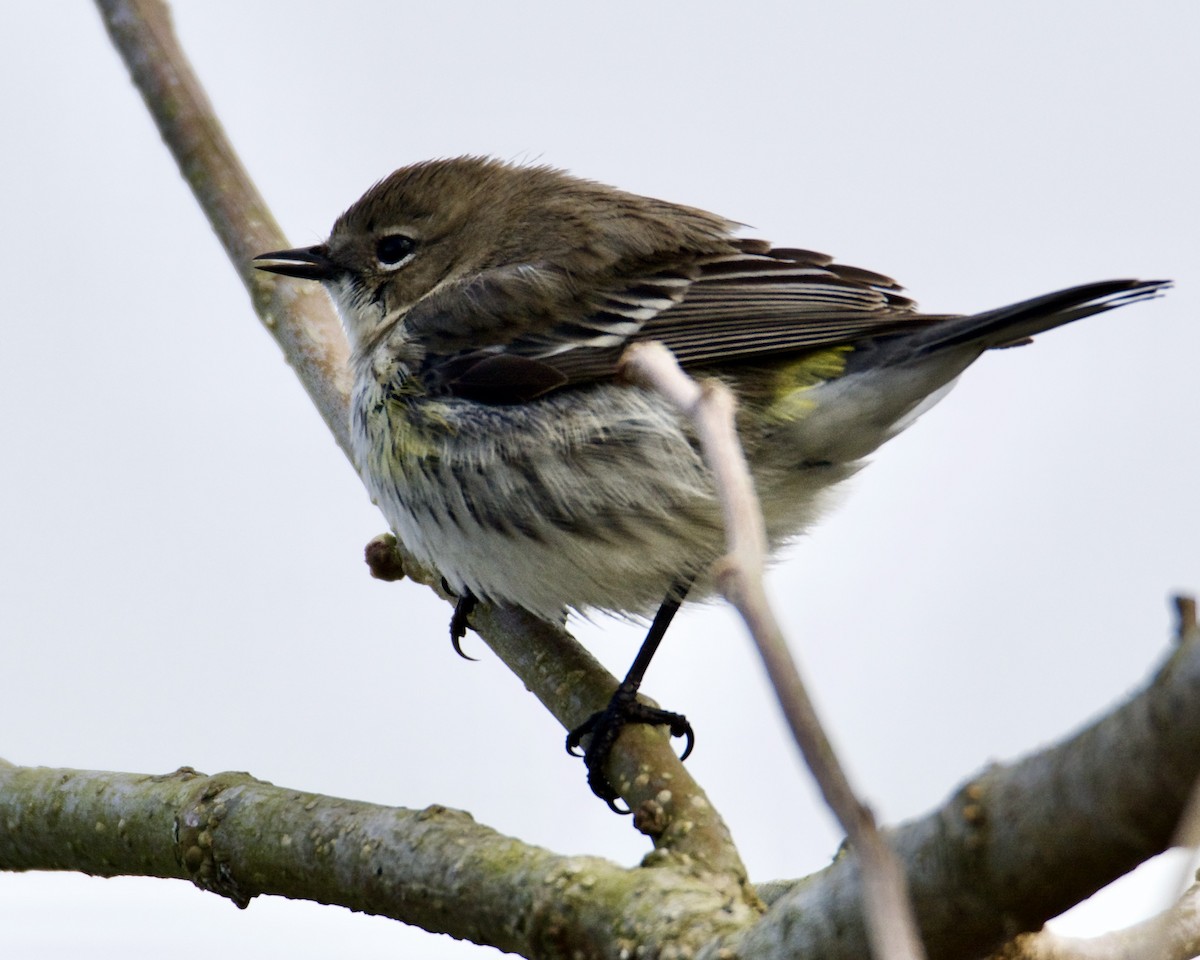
(411, 439)
(794, 381)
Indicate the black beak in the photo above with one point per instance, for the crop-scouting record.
(307, 263)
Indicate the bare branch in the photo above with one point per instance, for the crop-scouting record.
(710, 408)
(435, 868)
(1020, 843)
(1012, 848)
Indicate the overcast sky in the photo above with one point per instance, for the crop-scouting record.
(180, 574)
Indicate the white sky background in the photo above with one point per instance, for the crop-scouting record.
(181, 578)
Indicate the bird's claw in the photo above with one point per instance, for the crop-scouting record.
(460, 620)
(604, 726)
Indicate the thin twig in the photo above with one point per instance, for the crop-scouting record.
(710, 409)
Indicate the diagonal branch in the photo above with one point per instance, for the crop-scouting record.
(300, 319)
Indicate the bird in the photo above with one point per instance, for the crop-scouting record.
(488, 305)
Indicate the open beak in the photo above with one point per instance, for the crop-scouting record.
(307, 263)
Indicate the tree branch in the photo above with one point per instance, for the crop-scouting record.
(1020, 843)
(1011, 848)
(435, 868)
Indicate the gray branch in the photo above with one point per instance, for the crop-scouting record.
(1020, 843)
(1012, 847)
(436, 868)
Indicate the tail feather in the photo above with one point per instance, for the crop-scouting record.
(1014, 324)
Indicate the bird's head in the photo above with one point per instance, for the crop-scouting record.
(435, 225)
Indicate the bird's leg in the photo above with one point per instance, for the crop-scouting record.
(625, 708)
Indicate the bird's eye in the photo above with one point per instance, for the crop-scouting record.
(394, 249)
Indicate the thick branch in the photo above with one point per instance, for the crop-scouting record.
(436, 868)
(1020, 843)
(1013, 847)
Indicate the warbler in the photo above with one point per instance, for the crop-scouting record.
(487, 307)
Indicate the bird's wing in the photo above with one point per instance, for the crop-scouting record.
(513, 334)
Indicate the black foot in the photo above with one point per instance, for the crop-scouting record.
(459, 620)
(624, 708)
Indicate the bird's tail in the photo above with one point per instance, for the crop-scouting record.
(1016, 323)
